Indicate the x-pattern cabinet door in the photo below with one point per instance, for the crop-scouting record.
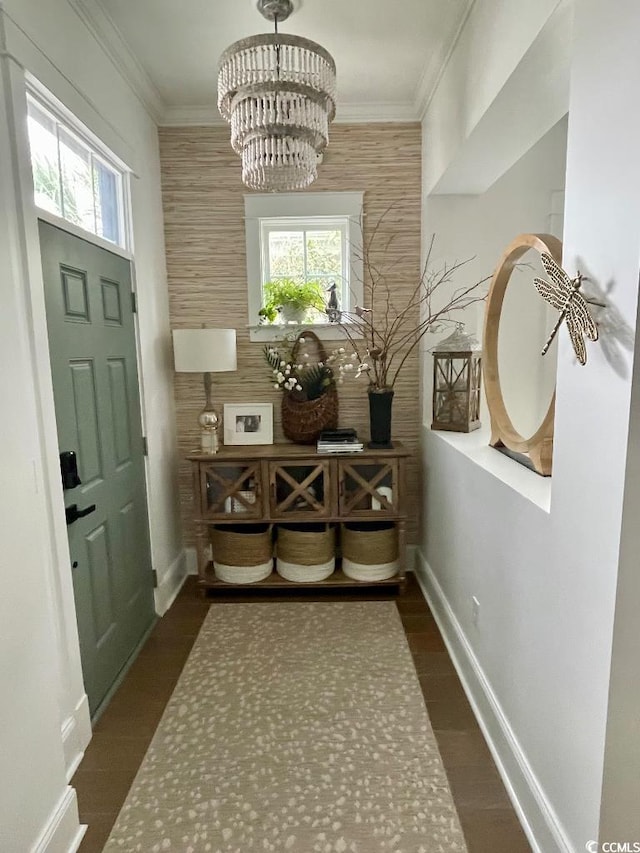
(369, 488)
(300, 489)
(231, 490)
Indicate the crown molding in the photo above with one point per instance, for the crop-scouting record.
(106, 32)
(427, 86)
(370, 113)
(208, 115)
(176, 115)
(101, 25)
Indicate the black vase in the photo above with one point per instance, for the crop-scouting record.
(380, 418)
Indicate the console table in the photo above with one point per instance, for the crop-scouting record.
(282, 483)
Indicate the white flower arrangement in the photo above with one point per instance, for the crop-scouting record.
(306, 379)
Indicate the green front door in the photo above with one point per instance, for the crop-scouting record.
(95, 384)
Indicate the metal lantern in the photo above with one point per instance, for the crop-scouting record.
(456, 383)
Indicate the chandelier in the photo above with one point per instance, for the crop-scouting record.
(278, 93)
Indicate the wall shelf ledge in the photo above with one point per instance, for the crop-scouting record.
(475, 446)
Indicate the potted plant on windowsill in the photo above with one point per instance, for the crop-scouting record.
(290, 301)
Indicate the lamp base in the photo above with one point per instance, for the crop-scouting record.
(209, 421)
(209, 441)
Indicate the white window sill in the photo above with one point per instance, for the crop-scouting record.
(475, 446)
(325, 331)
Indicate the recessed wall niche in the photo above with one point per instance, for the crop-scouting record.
(527, 198)
(519, 381)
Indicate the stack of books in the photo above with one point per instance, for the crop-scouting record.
(339, 441)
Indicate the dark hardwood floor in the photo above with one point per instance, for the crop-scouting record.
(123, 733)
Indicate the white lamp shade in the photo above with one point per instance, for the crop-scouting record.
(204, 350)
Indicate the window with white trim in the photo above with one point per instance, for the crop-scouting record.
(72, 179)
(302, 243)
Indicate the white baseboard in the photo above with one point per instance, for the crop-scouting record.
(63, 831)
(171, 584)
(536, 814)
(76, 734)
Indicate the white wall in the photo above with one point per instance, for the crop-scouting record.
(621, 786)
(486, 85)
(603, 237)
(47, 727)
(33, 785)
(538, 661)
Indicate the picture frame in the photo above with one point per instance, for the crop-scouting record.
(248, 423)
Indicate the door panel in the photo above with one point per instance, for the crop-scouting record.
(120, 410)
(111, 302)
(75, 294)
(85, 412)
(299, 489)
(127, 526)
(93, 361)
(100, 568)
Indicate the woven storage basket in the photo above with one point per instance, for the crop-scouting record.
(304, 420)
(369, 550)
(242, 553)
(306, 552)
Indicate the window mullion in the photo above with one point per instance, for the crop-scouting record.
(266, 257)
(60, 176)
(123, 195)
(346, 278)
(93, 192)
(304, 255)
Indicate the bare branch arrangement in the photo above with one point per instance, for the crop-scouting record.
(386, 332)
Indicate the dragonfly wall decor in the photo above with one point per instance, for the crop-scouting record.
(563, 294)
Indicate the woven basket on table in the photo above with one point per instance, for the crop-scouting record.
(306, 552)
(304, 420)
(369, 550)
(242, 553)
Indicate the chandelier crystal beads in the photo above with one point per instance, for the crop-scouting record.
(278, 93)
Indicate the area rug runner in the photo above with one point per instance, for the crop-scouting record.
(295, 726)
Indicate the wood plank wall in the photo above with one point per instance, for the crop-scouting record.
(206, 264)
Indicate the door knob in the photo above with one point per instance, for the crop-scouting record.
(72, 513)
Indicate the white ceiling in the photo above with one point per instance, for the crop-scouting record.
(388, 53)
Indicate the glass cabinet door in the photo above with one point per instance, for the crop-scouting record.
(231, 490)
(299, 489)
(369, 488)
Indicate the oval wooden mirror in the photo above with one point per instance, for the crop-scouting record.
(515, 329)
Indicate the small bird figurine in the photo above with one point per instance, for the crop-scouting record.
(332, 310)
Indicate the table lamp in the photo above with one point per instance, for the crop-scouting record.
(205, 351)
